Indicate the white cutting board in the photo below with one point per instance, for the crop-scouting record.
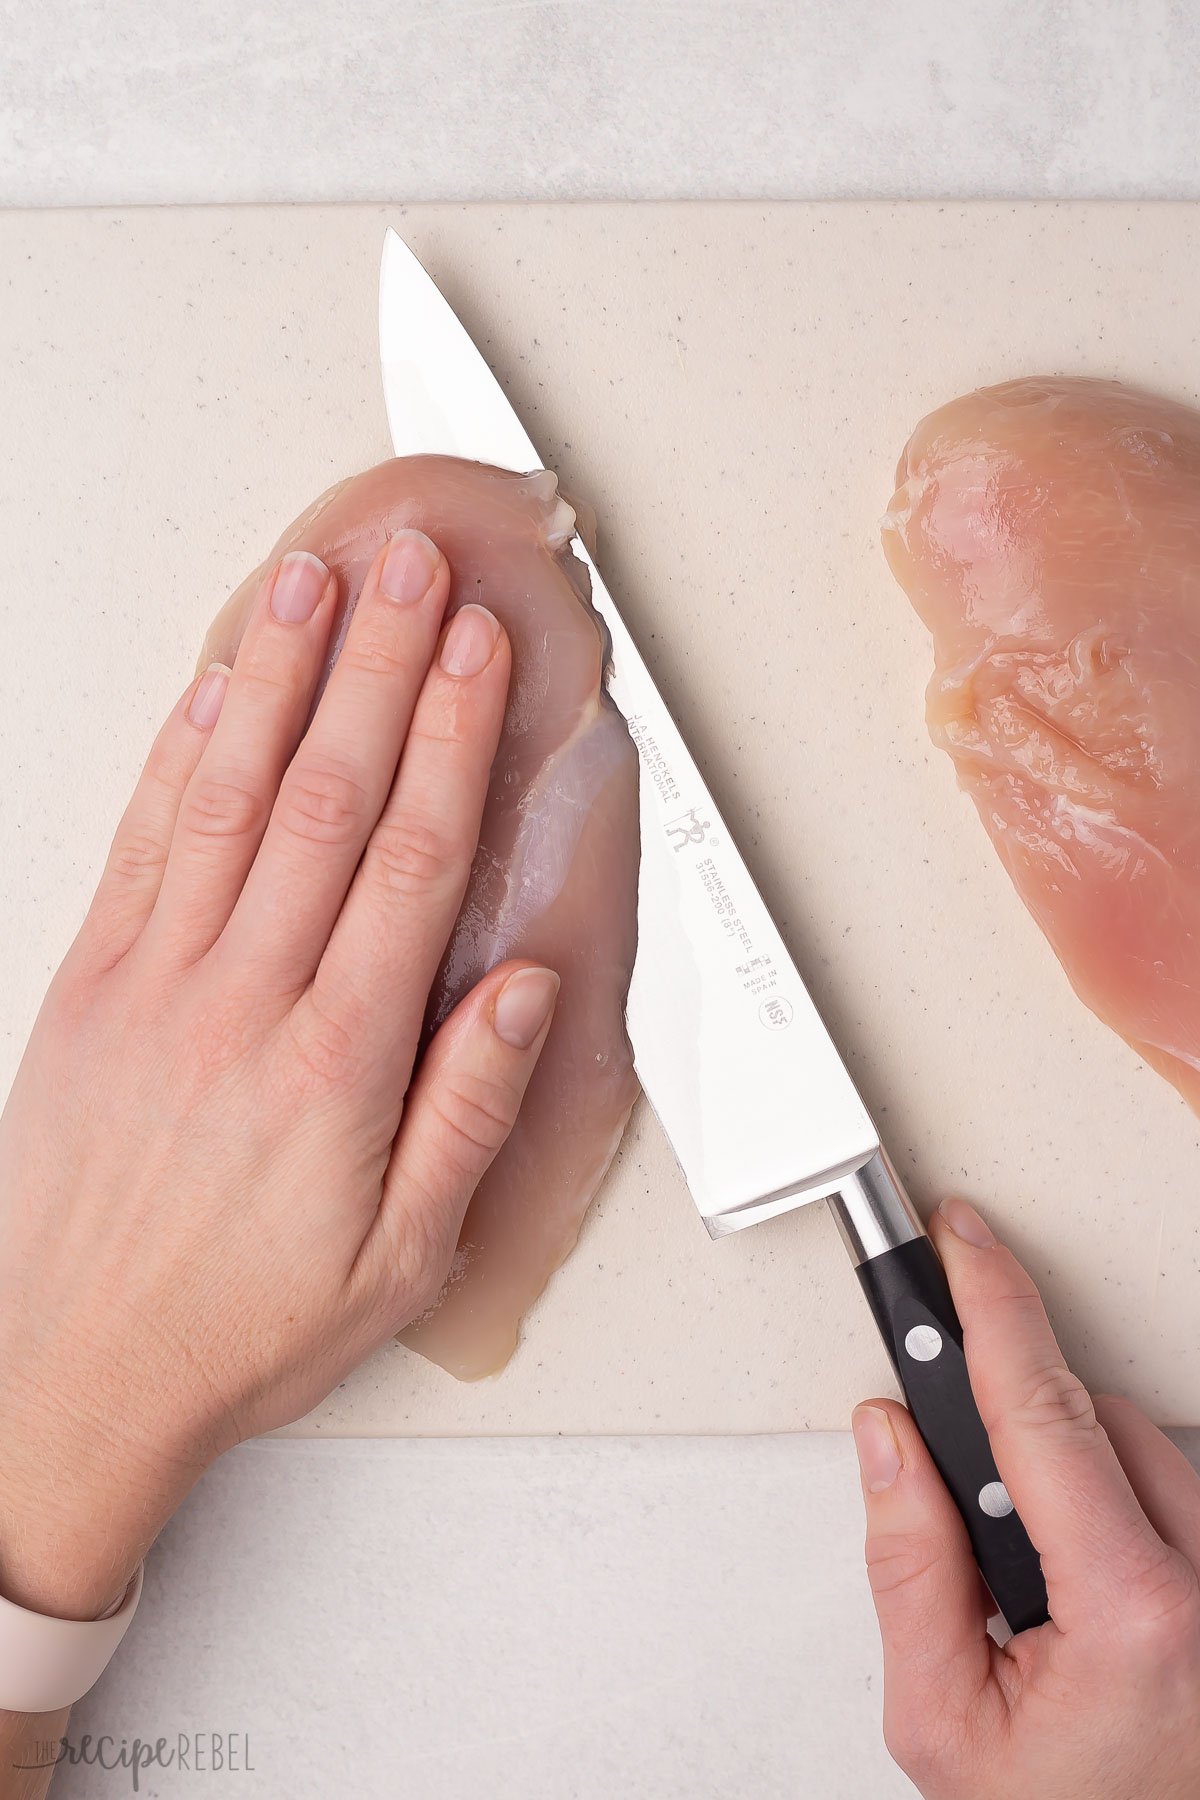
(730, 387)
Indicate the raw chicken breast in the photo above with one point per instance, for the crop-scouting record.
(556, 873)
(1048, 533)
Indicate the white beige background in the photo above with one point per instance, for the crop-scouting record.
(652, 1616)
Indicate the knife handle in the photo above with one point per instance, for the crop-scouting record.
(906, 1288)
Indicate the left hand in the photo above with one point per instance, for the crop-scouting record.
(221, 1183)
(1103, 1702)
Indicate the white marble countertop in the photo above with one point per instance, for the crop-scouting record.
(596, 99)
(553, 1618)
(521, 1619)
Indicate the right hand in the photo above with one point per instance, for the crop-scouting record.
(221, 1185)
(1103, 1702)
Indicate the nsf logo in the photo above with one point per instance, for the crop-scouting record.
(775, 1013)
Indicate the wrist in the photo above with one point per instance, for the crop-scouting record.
(61, 1564)
(79, 1508)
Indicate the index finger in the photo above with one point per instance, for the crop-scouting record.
(338, 780)
(1098, 1548)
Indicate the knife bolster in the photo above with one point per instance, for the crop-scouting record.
(873, 1212)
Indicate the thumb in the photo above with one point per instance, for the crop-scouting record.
(458, 1114)
(929, 1598)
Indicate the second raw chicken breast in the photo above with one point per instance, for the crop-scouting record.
(1048, 533)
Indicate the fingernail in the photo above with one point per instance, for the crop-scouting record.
(209, 696)
(523, 1006)
(878, 1452)
(408, 567)
(470, 641)
(966, 1223)
(299, 584)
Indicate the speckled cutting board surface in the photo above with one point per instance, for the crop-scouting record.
(730, 387)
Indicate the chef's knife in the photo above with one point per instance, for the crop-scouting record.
(742, 1074)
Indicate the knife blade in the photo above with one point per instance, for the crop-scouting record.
(735, 1060)
(741, 1072)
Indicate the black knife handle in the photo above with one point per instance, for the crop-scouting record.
(910, 1297)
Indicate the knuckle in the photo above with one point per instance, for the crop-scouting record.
(420, 1250)
(221, 807)
(409, 855)
(323, 804)
(919, 1741)
(899, 1560)
(1057, 1400)
(73, 991)
(1012, 1285)
(907, 1742)
(1163, 1616)
(422, 1259)
(266, 675)
(475, 1114)
(164, 774)
(372, 651)
(438, 729)
(135, 855)
(222, 1037)
(326, 1044)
